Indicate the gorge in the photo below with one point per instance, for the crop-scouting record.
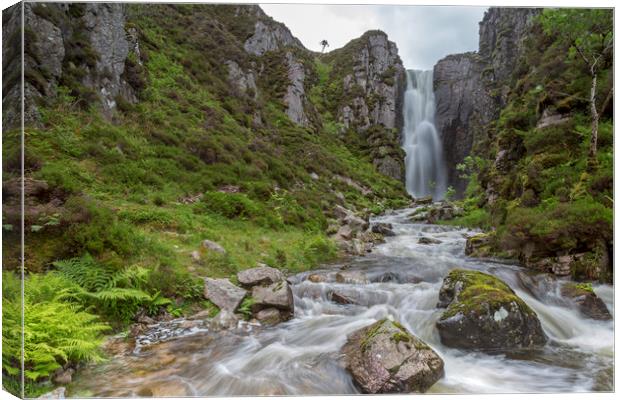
(210, 208)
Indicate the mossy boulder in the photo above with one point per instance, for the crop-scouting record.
(484, 313)
(479, 245)
(386, 358)
(588, 303)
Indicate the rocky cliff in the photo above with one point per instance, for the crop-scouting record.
(93, 50)
(471, 88)
(369, 99)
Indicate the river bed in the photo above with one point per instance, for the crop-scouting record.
(400, 279)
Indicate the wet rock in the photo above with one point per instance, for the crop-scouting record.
(58, 393)
(479, 245)
(383, 228)
(269, 316)
(356, 223)
(167, 388)
(277, 295)
(385, 358)
(483, 313)
(356, 277)
(345, 232)
(223, 294)
(427, 240)
(262, 275)
(224, 320)
(212, 246)
(341, 298)
(63, 376)
(441, 212)
(587, 301)
(316, 278)
(424, 200)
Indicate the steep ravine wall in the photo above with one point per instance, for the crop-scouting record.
(471, 88)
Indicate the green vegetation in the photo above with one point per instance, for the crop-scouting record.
(134, 194)
(481, 293)
(549, 192)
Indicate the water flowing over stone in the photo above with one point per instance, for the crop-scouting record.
(425, 170)
(399, 279)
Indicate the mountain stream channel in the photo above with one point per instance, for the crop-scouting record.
(401, 280)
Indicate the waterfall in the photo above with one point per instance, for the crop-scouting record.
(425, 169)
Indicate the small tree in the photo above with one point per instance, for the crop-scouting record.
(323, 44)
(589, 35)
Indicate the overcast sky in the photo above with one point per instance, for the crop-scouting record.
(423, 34)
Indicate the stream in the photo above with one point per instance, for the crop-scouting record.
(399, 279)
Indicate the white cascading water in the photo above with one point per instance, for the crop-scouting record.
(425, 170)
(399, 279)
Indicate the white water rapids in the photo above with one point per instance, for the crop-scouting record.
(424, 165)
(301, 356)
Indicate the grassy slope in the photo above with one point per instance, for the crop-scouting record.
(122, 181)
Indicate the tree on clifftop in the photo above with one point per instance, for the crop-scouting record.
(589, 35)
(324, 44)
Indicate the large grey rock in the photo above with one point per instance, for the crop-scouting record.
(269, 316)
(277, 295)
(269, 36)
(212, 246)
(483, 313)
(263, 275)
(385, 358)
(223, 294)
(383, 228)
(224, 320)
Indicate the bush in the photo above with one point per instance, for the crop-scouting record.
(231, 205)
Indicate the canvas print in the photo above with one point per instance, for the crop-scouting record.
(287, 199)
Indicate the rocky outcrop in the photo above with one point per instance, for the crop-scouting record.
(244, 82)
(386, 358)
(483, 313)
(295, 98)
(471, 88)
(269, 36)
(373, 82)
(277, 296)
(588, 303)
(84, 46)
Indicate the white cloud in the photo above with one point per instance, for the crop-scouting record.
(424, 34)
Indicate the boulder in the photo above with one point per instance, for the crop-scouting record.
(316, 278)
(277, 295)
(385, 358)
(356, 223)
(223, 294)
(340, 298)
(212, 246)
(479, 245)
(483, 313)
(345, 232)
(383, 228)
(63, 376)
(427, 240)
(269, 316)
(262, 275)
(588, 303)
(356, 277)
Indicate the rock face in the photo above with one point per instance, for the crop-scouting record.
(483, 313)
(385, 358)
(269, 37)
(223, 294)
(53, 31)
(373, 83)
(471, 88)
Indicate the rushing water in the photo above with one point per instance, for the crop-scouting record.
(425, 170)
(399, 279)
